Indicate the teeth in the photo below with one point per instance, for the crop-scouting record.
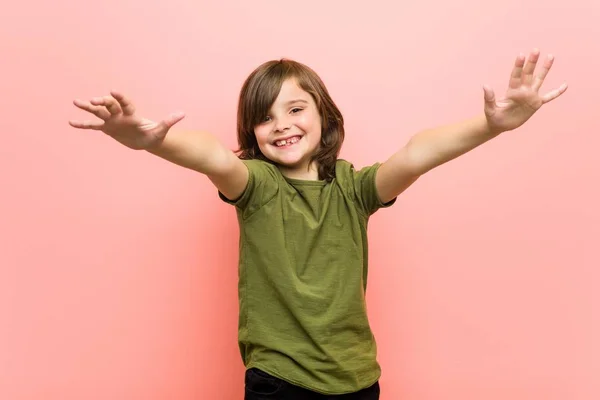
(289, 141)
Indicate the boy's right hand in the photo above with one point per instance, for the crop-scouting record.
(119, 121)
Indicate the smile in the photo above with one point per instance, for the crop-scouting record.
(287, 142)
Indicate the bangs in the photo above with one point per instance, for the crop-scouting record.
(263, 93)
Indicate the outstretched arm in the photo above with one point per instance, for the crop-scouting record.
(433, 147)
(199, 151)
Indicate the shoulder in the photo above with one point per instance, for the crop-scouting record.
(263, 184)
(344, 175)
(361, 185)
(260, 164)
(345, 170)
(260, 169)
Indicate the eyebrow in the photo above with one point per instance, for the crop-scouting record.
(296, 101)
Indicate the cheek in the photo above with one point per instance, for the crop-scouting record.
(310, 122)
(316, 126)
(261, 136)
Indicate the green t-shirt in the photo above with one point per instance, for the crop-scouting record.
(303, 276)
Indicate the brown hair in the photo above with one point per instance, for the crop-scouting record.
(259, 92)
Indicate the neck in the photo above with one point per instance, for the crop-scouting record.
(310, 174)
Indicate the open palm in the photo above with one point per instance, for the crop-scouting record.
(118, 119)
(522, 97)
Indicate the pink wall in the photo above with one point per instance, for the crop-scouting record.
(118, 270)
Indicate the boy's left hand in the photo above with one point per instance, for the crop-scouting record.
(522, 98)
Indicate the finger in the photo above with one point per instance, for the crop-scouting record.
(541, 75)
(124, 102)
(94, 125)
(489, 100)
(173, 119)
(99, 111)
(548, 97)
(530, 66)
(109, 102)
(517, 72)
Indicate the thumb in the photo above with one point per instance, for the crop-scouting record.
(489, 100)
(173, 119)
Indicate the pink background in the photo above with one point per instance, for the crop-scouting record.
(118, 270)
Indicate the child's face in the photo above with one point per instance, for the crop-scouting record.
(291, 133)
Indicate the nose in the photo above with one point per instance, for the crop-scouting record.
(282, 124)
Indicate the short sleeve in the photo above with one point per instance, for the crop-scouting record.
(262, 186)
(365, 190)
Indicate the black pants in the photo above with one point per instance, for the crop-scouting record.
(262, 386)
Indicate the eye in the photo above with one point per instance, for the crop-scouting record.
(265, 119)
(295, 110)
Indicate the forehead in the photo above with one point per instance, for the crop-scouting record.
(290, 91)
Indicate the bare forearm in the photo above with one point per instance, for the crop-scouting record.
(433, 147)
(199, 151)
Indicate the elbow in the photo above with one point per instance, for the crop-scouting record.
(415, 162)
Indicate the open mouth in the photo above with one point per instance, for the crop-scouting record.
(287, 142)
